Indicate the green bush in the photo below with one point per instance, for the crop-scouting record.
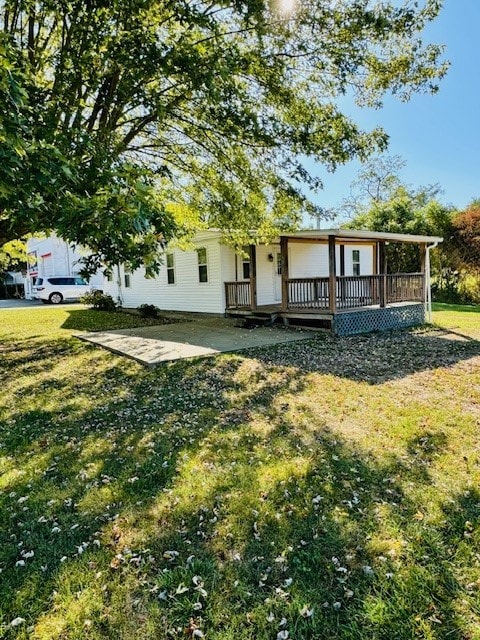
(456, 287)
(100, 301)
(469, 288)
(148, 311)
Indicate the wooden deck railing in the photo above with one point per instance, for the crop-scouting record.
(352, 292)
(237, 295)
(402, 287)
(307, 293)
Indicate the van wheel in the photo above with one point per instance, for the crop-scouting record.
(55, 298)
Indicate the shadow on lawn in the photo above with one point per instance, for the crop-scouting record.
(373, 358)
(97, 320)
(187, 497)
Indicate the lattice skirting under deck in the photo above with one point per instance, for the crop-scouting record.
(366, 321)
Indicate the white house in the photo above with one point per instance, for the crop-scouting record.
(52, 256)
(195, 280)
(325, 277)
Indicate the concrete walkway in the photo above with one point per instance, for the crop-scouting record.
(200, 337)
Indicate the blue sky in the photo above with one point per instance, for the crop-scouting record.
(438, 136)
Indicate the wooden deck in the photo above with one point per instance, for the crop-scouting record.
(361, 304)
(310, 296)
(344, 322)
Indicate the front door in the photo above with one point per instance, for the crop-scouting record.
(277, 274)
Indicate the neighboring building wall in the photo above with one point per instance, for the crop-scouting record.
(186, 293)
(54, 257)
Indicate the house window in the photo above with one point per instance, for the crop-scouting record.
(202, 265)
(356, 262)
(279, 264)
(246, 264)
(170, 268)
(127, 280)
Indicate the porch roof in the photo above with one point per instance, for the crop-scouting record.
(355, 234)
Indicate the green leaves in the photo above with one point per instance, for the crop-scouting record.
(123, 109)
(12, 255)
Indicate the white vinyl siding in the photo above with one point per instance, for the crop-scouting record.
(365, 260)
(311, 260)
(186, 295)
(307, 260)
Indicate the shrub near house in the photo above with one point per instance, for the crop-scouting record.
(99, 300)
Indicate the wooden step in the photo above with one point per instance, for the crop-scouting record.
(259, 320)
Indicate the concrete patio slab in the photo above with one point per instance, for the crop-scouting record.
(163, 343)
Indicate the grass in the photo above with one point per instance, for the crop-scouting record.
(320, 489)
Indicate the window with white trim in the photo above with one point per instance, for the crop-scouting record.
(170, 268)
(127, 280)
(356, 262)
(202, 264)
(279, 264)
(246, 263)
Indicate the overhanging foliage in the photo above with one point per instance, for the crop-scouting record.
(118, 115)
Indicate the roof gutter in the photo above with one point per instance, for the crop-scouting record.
(428, 287)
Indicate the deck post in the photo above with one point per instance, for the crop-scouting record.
(423, 261)
(382, 264)
(375, 287)
(423, 256)
(332, 275)
(423, 270)
(253, 277)
(284, 255)
(342, 289)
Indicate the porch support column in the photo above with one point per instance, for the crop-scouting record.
(284, 256)
(375, 259)
(425, 271)
(332, 275)
(253, 277)
(382, 264)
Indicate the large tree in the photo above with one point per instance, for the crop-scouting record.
(381, 201)
(122, 121)
(466, 237)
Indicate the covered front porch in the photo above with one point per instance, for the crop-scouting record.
(344, 302)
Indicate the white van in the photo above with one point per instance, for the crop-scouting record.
(56, 289)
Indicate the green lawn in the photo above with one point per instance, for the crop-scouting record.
(317, 490)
